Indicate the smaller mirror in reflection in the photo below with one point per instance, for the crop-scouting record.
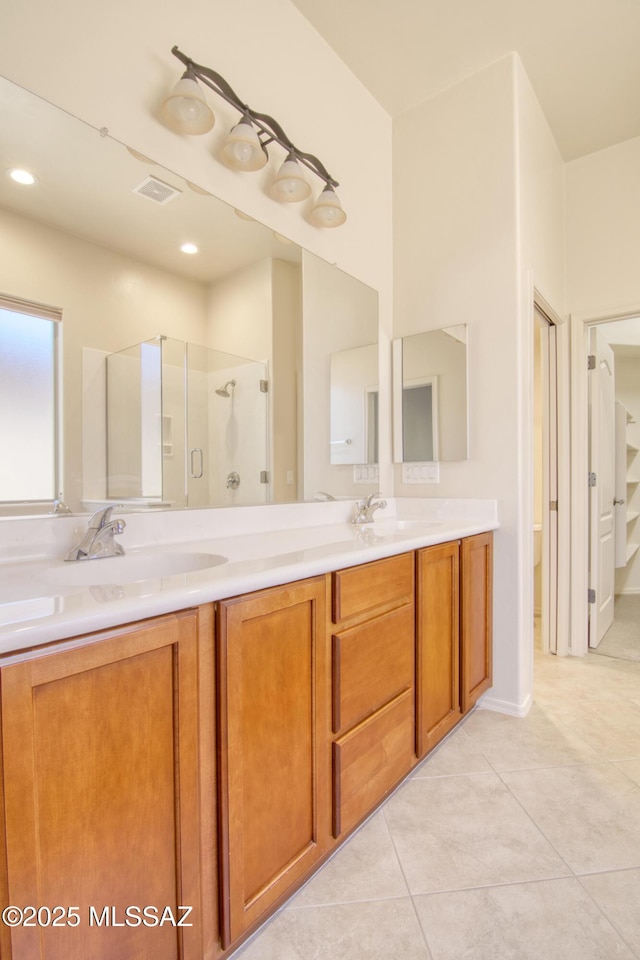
(354, 405)
(430, 396)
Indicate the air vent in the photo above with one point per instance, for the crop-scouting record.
(156, 190)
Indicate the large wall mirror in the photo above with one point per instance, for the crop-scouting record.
(430, 418)
(213, 353)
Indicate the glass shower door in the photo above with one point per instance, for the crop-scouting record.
(227, 417)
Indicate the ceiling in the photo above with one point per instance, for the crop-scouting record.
(87, 187)
(581, 56)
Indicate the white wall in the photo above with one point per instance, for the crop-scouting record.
(240, 313)
(478, 221)
(603, 231)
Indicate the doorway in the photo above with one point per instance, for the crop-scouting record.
(545, 484)
(614, 482)
(606, 485)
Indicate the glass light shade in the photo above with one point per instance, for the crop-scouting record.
(243, 150)
(22, 176)
(328, 210)
(185, 110)
(290, 185)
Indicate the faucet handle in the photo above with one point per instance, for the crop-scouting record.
(102, 516)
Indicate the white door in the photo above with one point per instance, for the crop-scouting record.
(602, 488)
(621, 486)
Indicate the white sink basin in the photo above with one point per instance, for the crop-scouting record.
(129, 568)
(383, 525)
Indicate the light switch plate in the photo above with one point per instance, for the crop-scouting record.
(421, 472)
(366, 473)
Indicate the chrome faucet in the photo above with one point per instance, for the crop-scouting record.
(99, 540)
(323, 495)
(364, 510)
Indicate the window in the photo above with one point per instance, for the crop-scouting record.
(28, 401)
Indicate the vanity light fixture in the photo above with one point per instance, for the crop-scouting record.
(328, 210)
(186, 110)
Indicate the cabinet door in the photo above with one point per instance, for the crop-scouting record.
(476, 618)
(104, 805)
(437, 644)
(371, 664)
(370, 760)
(274, 752)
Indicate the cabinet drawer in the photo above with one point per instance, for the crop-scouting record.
(369, 761)
(372, 663)
(364, 589)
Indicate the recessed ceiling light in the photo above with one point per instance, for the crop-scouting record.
(22, 176)
(189, 248)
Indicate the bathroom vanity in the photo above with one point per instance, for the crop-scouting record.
(212, 751)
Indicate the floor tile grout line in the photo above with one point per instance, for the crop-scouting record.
(535, 824)
(603, 912)
(406, 881)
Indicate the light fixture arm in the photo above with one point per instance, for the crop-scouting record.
(269, 127)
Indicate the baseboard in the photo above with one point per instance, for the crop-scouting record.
(629, 592)
(488, 702)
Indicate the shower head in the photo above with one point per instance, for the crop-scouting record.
(223, 392)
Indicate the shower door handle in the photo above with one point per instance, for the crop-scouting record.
(196, 456)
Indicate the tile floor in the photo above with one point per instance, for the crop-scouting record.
(622, 639)
(515, 839)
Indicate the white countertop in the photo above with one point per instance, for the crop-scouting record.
(258, 547)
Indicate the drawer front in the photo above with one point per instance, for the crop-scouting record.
(365, 589)
(369, 761)
(372, 664)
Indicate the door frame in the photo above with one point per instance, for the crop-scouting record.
(549, 476)
(558, 598)
(579, 324)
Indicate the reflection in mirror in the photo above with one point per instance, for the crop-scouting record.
(98, 236)
(182, 419)
(28, 364)
(354, 405)
(430, 396)
(340, 359)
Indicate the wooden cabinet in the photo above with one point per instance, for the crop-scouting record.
(373, 670)
(109, 792)
(453, 634)
(476, 618)
(437, 644)
(274, 746)
(146, 766)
